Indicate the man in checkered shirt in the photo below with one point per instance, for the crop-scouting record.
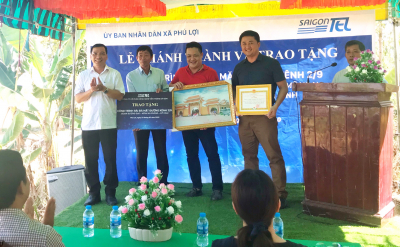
(18, 228)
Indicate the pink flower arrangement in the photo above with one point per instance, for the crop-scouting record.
(365, 69)
(142, 206)
(355, 59)
(150, 206)
(178, 218)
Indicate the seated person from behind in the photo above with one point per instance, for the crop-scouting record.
(255, 200)
(353, 49)
(18, 228)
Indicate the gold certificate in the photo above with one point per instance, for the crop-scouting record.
(253, 99)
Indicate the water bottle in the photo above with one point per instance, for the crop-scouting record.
(202, 230)
(115, 223)
(278, 225)
(88, 222)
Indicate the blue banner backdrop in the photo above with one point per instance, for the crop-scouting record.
(297, 57)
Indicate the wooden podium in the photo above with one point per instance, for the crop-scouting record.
(347, 139)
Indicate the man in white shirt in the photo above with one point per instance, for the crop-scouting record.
(148, 79)
(99, 87)
(17, 227)
(353, 50)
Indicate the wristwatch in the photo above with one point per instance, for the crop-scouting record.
(106, 91)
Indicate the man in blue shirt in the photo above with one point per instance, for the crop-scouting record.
(148, 79)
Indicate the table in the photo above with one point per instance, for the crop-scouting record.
(73, 237)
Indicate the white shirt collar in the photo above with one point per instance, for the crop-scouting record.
(105, 68)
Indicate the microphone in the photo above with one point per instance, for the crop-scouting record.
(308, 77)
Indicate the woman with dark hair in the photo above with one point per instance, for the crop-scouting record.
(255, 200)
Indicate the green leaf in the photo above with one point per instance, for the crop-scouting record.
(14, 37)
(6, 51)
(60, 83)
(78, 121)
(36, 57)
(7, 77)
(53, 65)
(391, 77)
(25, 131)
(59, 66)
(31, 116)
(66, 102)
(41, 93)
(15, 128)
(12, 98)
(30, 157)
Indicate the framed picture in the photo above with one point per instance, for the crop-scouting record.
(253, 99)
(204, 105)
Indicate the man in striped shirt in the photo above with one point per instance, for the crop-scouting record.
(17, 227)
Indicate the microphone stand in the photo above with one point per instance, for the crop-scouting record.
(308, 77)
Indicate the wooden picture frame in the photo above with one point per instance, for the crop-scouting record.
(204, 105)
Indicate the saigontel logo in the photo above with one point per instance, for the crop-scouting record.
(308, 26)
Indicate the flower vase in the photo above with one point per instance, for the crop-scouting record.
(147, 236)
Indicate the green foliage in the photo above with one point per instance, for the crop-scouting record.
(391, 77)
(14, 129)
(66, 102)
(60, 82)
(32, 156)
(42, 86)
(7, 77)
(366, 69)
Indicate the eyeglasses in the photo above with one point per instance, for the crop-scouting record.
(99, 54)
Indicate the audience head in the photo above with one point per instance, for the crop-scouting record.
(14, 185)
(353, 49)
(255, 200)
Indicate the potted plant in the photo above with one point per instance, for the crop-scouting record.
(366, 69)
(150, 211)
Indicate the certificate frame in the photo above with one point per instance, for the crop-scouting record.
(243, 90)
(203, 105)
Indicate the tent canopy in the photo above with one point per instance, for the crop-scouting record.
(22, 14)
(269, 8)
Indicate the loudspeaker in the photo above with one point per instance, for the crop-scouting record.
(67, 185)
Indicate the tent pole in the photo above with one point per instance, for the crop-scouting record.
(73, 89)
(395, 22)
